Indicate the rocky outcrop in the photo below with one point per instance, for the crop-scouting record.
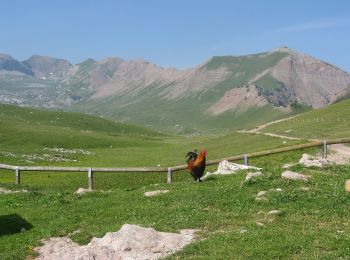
(308, 80)
(130, 242)
(46, 67)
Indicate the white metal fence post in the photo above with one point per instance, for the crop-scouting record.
(169, 176)
(18, 176)
(246, 160)
(91, 178)
(324, 149)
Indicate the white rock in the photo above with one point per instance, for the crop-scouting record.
(309, 161)
(294, 176)
(242, 231)
(278, 189)
(7, 191)
(130, 242)
(226, 167)
(274, 212)
(82, 191)
(261, 193)
(251, 175)
(155, 192)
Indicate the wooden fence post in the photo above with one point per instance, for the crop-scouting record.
(324, 149)
(91, 178)
(18, 176)
(246, 160)
(169, 176)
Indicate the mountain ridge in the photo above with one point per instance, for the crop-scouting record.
(142, 92)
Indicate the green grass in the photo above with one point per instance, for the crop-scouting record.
(27, 132)
(312, 224)
(330, 122)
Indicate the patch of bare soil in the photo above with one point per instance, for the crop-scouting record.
(130, 242)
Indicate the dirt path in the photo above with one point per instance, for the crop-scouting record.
(339, 153)
(258, 129)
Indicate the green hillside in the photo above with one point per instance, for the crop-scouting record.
(244, 68)
(29, 133)
(330, 122)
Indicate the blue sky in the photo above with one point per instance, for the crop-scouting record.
(176, 33)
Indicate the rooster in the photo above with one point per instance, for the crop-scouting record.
(196, 164)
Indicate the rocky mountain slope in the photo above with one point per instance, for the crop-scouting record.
(224, 92)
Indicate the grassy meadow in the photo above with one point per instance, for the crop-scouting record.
(312, 222)
(330, 122)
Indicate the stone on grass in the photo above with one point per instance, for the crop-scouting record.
(7, 191)
(274, 212)
(130, 242)
(261, 193)
(155, 192)
(309, 161)
(347, 185)
(294, 176)
(82, 191)
(226, 167)
(251, 175)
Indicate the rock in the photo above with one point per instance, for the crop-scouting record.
(23, 229)
(155, 192)
(278, 189)
(130, 242)
(304, 188)
(274, 212)
(347, 185)
(309, 161)
(242, 231)
(226, 167)
(294, 176)
(82, 191)
(251, 175)
(6, 191)
(261, 193)
(260, 224)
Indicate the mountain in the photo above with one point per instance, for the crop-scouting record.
(223, 92)
(44, 67)
(7, 63)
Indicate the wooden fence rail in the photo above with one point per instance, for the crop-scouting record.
(170, 170)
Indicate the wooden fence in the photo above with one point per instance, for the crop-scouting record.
(169, 170)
